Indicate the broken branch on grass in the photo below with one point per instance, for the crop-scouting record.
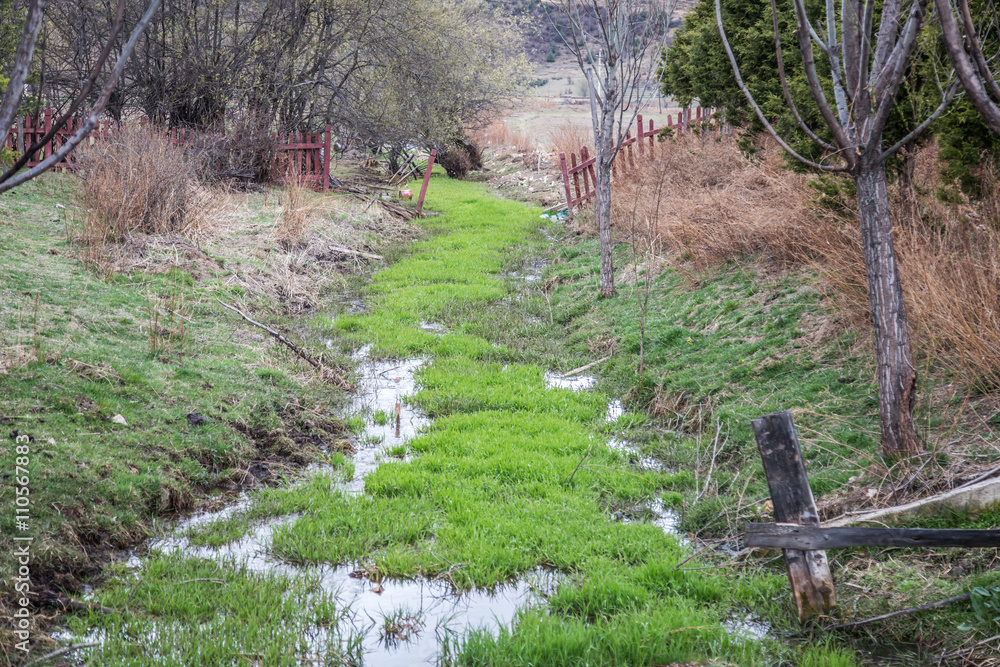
(901, 612)
(212, 581)
(55, 654)
(581, 369)
(312, 361)
(967, 650)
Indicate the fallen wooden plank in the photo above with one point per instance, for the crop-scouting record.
(793, 536)
(971, 498)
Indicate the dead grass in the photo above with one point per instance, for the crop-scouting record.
(300, 208)
(721, 206)
(504, 140)
(570, 137)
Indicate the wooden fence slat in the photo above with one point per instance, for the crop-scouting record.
(792, 536)
(639, 136)
(808, 571)
(576, 176)
(584, 156)
(326, 158)
(565, 172)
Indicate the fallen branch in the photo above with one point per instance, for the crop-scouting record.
(312, 361)
(55, 654)
(348, 251)
(972, 648)
(901, 612)
(581, 369)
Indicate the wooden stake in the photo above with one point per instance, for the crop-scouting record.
(808, 571)
(397, 418)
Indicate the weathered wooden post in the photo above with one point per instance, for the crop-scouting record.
(565, 173)
(640, 135)
(326, 159)
(808, 571)
(427, 180)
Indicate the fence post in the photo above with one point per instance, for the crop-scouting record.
(48, 127)
(326, 159)
(427, 178)
(640, 135)
(652, 136)
(584, 156)
(565, 174)
(808, 571)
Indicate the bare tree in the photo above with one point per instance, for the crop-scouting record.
(868, 63)
(12, 177)
(615, 43)
(965, 49)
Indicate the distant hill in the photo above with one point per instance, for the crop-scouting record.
(541, 37)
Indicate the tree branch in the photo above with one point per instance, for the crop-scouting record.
(784, 83)
(753, 103)
(22, 61)
(95, 114)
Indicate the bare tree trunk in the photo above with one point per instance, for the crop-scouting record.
(604, 159)
(897, 376)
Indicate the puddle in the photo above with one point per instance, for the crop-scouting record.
(576, 382)
(633, 454)
(747, 628)
(434, 327)
(402, 622)
(531, 272)
(615, 411)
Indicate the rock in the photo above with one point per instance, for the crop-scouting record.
(118, 419)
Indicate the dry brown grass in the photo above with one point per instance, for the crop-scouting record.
(570, 137)
(503, 139)
(300, 209)
(719, 206)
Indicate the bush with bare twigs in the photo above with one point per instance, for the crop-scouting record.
(137, 183)
(718, 205)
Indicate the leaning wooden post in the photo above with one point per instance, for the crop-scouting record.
(427, 179)
(808, 571)
(326, 159)
(565, 174)
(640, 135)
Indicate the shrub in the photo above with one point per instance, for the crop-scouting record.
(137, 182)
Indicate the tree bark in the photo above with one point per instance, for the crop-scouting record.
(603, 211)
(897, 375)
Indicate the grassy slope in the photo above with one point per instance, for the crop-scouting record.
(725, 347)
(99, 485)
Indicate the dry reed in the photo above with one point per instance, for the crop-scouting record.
(503, 140)
(570, 137)
(299, 210)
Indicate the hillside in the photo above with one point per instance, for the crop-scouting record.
(540, 19)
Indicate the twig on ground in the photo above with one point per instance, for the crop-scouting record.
(577, 371)
(324, 371)
(55, 654)
(711, 467)
(901, 612)
(972, 648)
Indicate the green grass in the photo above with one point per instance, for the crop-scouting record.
(98, 485)
(512, 476)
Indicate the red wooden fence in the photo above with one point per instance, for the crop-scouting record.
(305, 155)
(573, 171)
